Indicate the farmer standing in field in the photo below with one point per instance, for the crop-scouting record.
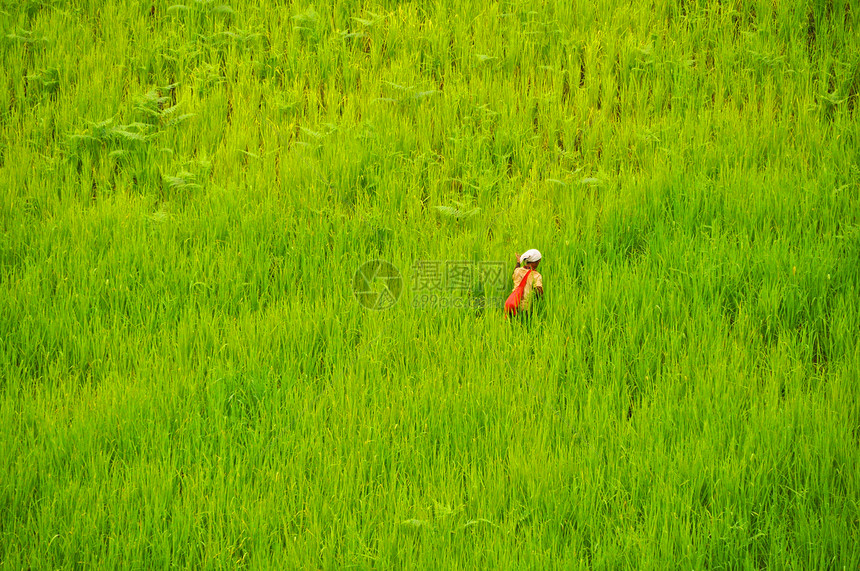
(523, 293)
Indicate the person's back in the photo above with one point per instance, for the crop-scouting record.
(528, 261)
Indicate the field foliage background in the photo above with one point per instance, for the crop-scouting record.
(186, 191)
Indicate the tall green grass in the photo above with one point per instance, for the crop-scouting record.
(186, 378)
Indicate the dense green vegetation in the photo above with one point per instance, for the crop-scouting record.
(186, 192)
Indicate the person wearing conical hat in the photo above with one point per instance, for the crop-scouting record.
(528, 260)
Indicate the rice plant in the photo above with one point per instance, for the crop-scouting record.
(190, 376)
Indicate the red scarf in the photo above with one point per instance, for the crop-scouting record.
(516, 296)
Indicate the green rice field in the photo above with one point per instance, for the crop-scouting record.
(253, 259)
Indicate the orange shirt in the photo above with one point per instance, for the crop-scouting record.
(535, 280)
